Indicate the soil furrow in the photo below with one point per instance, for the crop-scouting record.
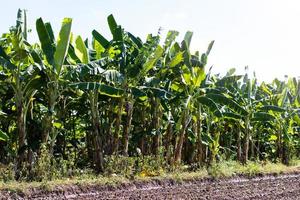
(267, 187)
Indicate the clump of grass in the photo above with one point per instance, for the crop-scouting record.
(222, 169)
(295, 163)
(7, 172)
(186, 175)
(232, 168)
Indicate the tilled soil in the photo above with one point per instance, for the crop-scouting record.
(265, 187)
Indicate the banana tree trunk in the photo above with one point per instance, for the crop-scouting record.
(89, 145)
(246, 142)
(98, 155)
(285, 147)
(178, 149)
(285, 154)
(278, 143)
(215, 146)
(252, 148)
(198, 131)
(110, 121)
(129, 112)
(115, 147)
(21, 126)
(239, 146)
(97, 143)
(168, 142)
(141, 142)
(21, 132)
(156, 125)
(190, 147)
(179, 144)
(48, 129)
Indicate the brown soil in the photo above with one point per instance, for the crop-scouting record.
(265, 187)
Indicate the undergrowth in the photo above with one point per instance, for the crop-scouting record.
(49, 172)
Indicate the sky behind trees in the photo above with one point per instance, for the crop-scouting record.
(263, 34)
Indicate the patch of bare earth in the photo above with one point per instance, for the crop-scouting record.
(266, 187)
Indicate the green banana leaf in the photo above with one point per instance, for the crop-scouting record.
(112, 23)
(223, 100)
(3, 136)
(102, 88)
(62, 44)
(262, 116)
(81, 50)
(272, 108)
(99, 38)
(47, 44)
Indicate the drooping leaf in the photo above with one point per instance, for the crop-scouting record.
(272, 108)
(102, 88)
(113, 76)
(262, 116)
(223, 100)
(208, 102)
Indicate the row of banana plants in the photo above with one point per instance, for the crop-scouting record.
(125, 96)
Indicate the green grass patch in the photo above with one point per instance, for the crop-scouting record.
(218, 170)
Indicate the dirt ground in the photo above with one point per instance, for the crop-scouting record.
(265, 187)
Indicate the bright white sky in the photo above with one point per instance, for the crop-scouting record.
(263, 34)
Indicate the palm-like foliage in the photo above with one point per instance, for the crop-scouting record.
(125, 95)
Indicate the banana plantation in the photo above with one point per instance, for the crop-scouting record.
(122, 96)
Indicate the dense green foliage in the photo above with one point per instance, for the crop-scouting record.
(105, 101)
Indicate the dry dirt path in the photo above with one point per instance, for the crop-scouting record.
(268, 187)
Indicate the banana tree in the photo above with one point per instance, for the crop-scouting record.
(20, 73)
(285, 109)
(243, 101)
(132, 59)
(187, 73)
(89, 76)
(52, 60)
